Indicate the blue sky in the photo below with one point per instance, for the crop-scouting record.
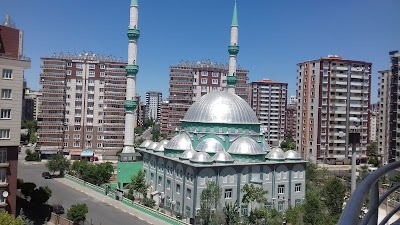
(274, 35)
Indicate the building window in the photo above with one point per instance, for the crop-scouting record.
(7, 74)
(178, 188)
(204, 73)
(245, 211)
(6, 93)
(102, 74)
(188, 212)
(69, 72)
(79, 73)
(91, 66)
(188, 193)
(65, 144)
(297, 202)
(281, 189)
(178, 207)
(5, 114)
(99, 145)
(102, 66)
(280, 206)
(203, 80)
(69, 64)
(3, 155)
(4, 133)
(244, 178)
(168, 202)
(159, 180)
(215, 74)
(169, 184)
(214, 81)
(228, 193)
(202, 180)
(297, 187)
(3, 176)
(2, 199)
(91, 74)
(203, 88)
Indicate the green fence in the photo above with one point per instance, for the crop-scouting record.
(127, 202)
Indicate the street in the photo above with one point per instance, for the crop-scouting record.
(99, 212)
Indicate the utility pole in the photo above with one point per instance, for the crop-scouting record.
(354, 138)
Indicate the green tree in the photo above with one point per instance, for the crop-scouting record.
(253, 195)
(27, 188)
(231, 212)
(156, 133)
(77, 213)
(104, 172)
(40, 195)
(363, 173)
(24, 218)
(288, 144)
(209, 201)
(8, 219)
(333, 194)
(138, 183)
(262, 215)
(58, 163)
(19, 183)
(373, 154)
(32, 156)
(79, 167)
(295, 215)
(313, 207)
(148, 202)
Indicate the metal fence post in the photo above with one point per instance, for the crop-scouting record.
(374, 203)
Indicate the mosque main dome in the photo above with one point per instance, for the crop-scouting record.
(221, 107)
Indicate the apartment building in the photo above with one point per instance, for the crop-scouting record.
(268, 100)
(373, 123)
(291, 121)
(140, 114)
(389, 113)
(12, 66)
(292, 100)
(191, 80)
(164, 116)
(329, 90)
(30, 104)
(82, 104)
(153, 105)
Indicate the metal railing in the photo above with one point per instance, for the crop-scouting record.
(369, 185)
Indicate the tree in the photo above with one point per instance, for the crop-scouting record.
(8, 219)
(40, 195)
(77, 213)
(104, 172)
(24, 218)
(156, 133)
(148, 202)
(58, 163)
(288, 144)
(313, 207)
(253, 195)
(138, 183)
(27, 188)
(295, 215)
(209, 200)
(79, 167)
(231, 212)
(333, 194)
(19, 183)
(32, 156)
(372, 154)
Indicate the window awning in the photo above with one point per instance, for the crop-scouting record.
(48, 152)
(75, 152)
(87, 152)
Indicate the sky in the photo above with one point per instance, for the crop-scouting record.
(274, 35)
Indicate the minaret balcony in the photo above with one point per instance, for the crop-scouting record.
(132, 70)
(231, 80)
(133, 34)
(233, 49)
(130, 105)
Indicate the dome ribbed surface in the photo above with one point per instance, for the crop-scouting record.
(276, 154)
(223, 157)
(210, 145)
(201, 157)
(221, 107)
(159, 147)
(152, 146)
(145, 144)
(293, 155)
(188, 154)
(179, 142)
(266, 148)
(245, 146)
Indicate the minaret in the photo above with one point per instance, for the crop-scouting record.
(131, 71)
(233, 50)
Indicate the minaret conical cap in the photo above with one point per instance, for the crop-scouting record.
(234, 18)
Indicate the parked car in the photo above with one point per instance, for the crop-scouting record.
(46, 175)
(58, 209)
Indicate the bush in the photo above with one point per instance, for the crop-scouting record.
(148, 202)
(32, 156)
(77, 213)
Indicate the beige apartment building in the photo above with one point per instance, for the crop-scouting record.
(191, 80)
(268, 100)
(12, 66)
(327, 89)
(82, 104)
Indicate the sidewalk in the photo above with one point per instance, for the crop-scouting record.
(382, 214)
(116, 204)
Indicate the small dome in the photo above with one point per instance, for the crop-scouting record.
(179, 142)
(275, 154)
(164, 142)
(145, 143)
(223, 157)
(292, 155)
(152, 146)
(266, 148)
(201, 157)
(210, 145)
(159, 147)
(279, 150)
(245, 146)
(188, 154)
(221, 107)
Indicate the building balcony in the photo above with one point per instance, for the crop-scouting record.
(114, 93)
(113, 132)
(51, 99)
(107, 100)
(53, 91)
(50, 123)
(53, 74)
(115, 70)
(53, 66)
(113, 141)
(48, 139)
(51, 115)
(52, 106)
(116, 86)
(184, 83)
(52, 83)
(114, 116)
(114, 78)
(181, 74)
(112, 109)
(180, 90)
(4, 165)
(114, 124)
(50, 131)
(180, 98)
(112, 148)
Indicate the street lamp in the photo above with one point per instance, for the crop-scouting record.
(354, 138)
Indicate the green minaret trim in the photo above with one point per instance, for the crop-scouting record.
(133, 34)
(131, 70)
(234, 18)
(130, 105)
(231, 80)
(134, 2)
(233, 50)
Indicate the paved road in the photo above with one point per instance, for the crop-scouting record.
(99, 212)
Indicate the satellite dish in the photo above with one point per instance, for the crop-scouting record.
(5, 194)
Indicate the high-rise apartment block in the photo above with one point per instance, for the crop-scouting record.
(268, 100)
(191, 80)
(291, 121)
(153, 105)
(30, 104)
(329, 91)
(82, 104)
(389, 113)
(292, 100)
(373, 123)
(12, 66)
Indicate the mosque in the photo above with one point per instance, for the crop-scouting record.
(219, 141)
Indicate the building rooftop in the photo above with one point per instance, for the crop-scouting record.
(85, 55)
